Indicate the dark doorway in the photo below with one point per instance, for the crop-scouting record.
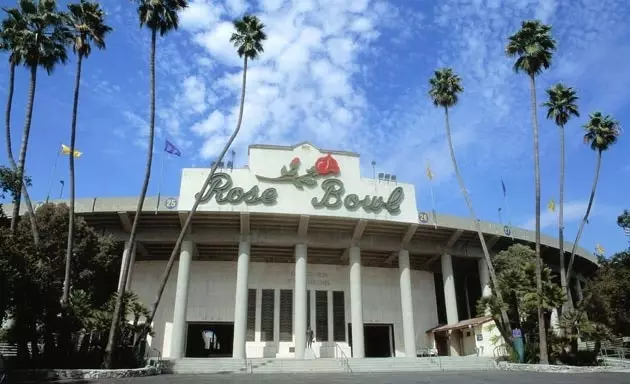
(209, 339)
(378, 339)
(441, 343)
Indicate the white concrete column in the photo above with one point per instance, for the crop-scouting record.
(484, 278)
(240, 301)
(300, 301)
(406, 304)
(356, 305)
(132, 263)
(450, 298)
(181, 301)
(126, 254)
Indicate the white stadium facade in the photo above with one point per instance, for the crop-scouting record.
(298, 240)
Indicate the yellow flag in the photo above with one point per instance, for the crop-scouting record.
(65, 150)
(599, 249)
(429, 173)
(552, 205)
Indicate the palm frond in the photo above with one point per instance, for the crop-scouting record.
(602, 131)
(36, 35)
(86, 21)
(248, 36)
(160, 15)
(561, 104)
(533, 46)
(445, 87)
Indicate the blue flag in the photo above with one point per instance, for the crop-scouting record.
(170, 148)
(504, 190)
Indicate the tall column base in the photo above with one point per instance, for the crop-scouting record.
(356, 305)
(181, 301)
(240, 302)
(300, 300)
(406, 304)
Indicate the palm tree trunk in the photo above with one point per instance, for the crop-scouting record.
(180, 238)
(563, 279)
(506, 330)
(7, 121)
(113, 332)
(542, 334)
(73, 132)
(585, 219)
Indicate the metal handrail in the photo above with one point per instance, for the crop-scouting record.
(158, 357)
(341, 356)
(249, 366)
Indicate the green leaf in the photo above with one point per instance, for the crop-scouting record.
(297, 184)
(284, 171)
(309, 181)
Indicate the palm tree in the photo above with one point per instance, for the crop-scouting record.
(86, 21)
(39, 41)
(534, 46)
(560, 107)
(248, 40)
(9, 42)
(601, 132)
(445, 89)
(158, 16)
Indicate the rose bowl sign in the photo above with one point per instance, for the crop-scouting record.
(222, 189)
(304, 183)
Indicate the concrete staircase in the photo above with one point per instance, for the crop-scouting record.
(398, 364)
(294, 366)
(467, 363)
(231, 366)
(201, 365)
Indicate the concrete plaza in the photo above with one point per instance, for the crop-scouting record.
(490, 377)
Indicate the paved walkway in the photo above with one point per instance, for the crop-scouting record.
(495, 377)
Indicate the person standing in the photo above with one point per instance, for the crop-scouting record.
(309, 337)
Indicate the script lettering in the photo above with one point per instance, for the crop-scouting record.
(220, 187)
(334, 198)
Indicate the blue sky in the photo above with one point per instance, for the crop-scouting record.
(349, 75)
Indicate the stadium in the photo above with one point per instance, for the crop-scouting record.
(297, 241)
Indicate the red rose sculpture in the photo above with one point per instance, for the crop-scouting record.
(295, 162)
(327, 165)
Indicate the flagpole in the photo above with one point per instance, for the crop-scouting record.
(507, 212)
(433, 205)
(52, 175)
(500, 217)
(157, 205)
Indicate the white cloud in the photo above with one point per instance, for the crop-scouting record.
(214, 123)
(236, 7)
(195, 94)
(200, 14)
(573, 213)
(304, 84)
(217, 42)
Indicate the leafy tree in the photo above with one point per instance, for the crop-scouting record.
(607, 295)
(444, 92)
(158, 16)
(86, 22)
(39, 41)
(516, 272)
(601, 132)
(37, 274)
(623, 221)
(248, 40)
(561, 105)
(533, 46)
